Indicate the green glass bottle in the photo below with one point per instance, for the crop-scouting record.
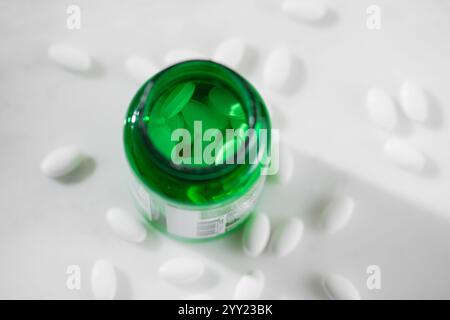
(197, 137)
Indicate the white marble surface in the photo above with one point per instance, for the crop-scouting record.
(400, 222)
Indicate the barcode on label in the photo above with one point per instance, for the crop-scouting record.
(211, 227)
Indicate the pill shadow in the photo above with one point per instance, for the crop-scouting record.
(277, 116)
(431, 170)
(97, 70)
(124, 288)
(404, 126)
(330, 19)
(436, 116)
(297, 77)
(153, 240)
(84, 170)
(249, 62)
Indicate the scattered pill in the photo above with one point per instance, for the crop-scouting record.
(277, 70)
(337, 213)
(124, 225)
(413, 100)
(179, 55)
(338, 287)
(61, 161)
(140, 68)
(250, 286)
(182, 270)
(103, 280)
(287, 236)
(230, 52)
(405, 154)
(256, 234)
(381, 108)
(70, 56)
(305, 10)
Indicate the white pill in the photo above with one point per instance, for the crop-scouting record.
(381, 108)
(179, 55)
(305, 10)
(414, 102)
(256, 234)
(140, 68)
(70, 57)
(287, 236)
(103, 280)
(182, 270)
(337, 287)
(230, 52)
(61, 161)
(277, 70)
(337, 213)
(404, 154)
(250, 286)
(125, 225)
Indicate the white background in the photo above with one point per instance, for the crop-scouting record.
(401, 219)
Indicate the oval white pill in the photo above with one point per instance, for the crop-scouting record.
(70, 56)
(337, 213)
(250, 286)
(182, 270)
(103, 280)
(414, 102)
(140, 68)
(287, 236)
(306, 10)
(337, 287)
(126, 226)
(230, 52)
(381, 108)
(179, 55)
(61, 161)
(404, 154)
(277, 70)
(256, 234)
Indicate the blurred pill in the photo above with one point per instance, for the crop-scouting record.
(182, 270)
(61, 161)
(277, 70)
(103, 280)
(125, 225)
(381, 108)
(405, 154)
(256, 234)
(337, 287)
(140, 68)
(287, 236)
(337, 213)
(305, 10)
(413, 101)
(230, 52)
(70, 56)
(250, 286)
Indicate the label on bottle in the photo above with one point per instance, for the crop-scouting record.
(195, 224)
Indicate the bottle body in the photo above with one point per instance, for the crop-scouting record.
(179, 189)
